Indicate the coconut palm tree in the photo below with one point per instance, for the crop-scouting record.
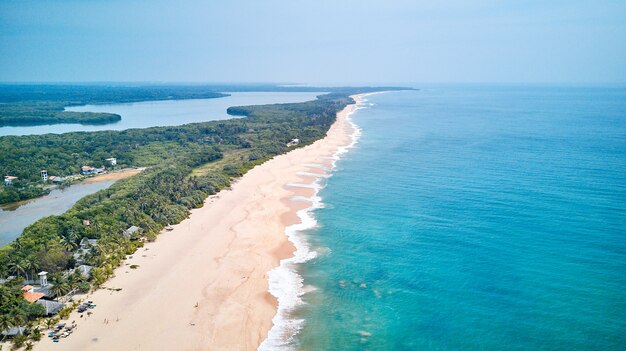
(68, 243)
(18, 267)
(69, 240)
(30, 265)
(6, 322)
(73, 280)
(59, 289)
(50, 322)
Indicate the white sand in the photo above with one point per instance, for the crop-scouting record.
(218, 259)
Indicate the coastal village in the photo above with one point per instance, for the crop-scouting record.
(85, 170)
(58, 301)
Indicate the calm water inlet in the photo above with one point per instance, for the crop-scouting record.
(13, 222)
(165, 113)
(134, 115)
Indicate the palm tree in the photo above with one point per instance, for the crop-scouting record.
(18, 267)
(50, 322)
(73, 281)
(18, 319)
(30, 265)
(69, 240)
(59, 289)
(6, 322)
(68, 243)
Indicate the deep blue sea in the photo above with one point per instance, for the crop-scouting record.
(475, 218)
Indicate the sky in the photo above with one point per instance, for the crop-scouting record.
(313, 42)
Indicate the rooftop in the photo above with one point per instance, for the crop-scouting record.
(12, 331)
(52, 307)
(33, 296)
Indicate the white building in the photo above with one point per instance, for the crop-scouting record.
(44, 175)
(112, 161)
(43, 278)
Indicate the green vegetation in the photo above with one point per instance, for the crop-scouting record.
(101, 94)
(19, 191)
(37, 113)
(186, 164)
(14, 310)
(63, 155)
(28, 105)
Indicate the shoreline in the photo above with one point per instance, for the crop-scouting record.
(286, 285)
(205, 285)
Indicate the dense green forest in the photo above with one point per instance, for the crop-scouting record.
(28, 104)
(63, 155)
(101, 94)
(160, 195)
(185, 164)
(49, 112)
(22, 105)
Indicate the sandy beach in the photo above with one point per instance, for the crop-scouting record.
(204, 285)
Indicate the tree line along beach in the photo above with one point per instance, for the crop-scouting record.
(202, 162)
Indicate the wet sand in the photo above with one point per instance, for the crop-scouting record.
(204, 285)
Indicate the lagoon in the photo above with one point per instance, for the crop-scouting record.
(14, 219)
(165, 112)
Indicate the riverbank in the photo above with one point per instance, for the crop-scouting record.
(16, 216)
(204, 285)
(74, 180)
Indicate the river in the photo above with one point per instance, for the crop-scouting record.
(14, 219)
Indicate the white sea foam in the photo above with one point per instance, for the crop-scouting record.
(317, 165)
(312, 174)
(308, 186)
(284, 281)
(300, 198)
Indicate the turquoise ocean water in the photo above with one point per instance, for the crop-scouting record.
(474, 218)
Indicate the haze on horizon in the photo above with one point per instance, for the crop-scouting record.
(316, 42)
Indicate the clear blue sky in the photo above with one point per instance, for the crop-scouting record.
(316, 41)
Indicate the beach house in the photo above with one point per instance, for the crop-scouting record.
(87, 170)
(30, 294)
(112, 161)
(293, 142)
(44, 175)
(41, 296)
